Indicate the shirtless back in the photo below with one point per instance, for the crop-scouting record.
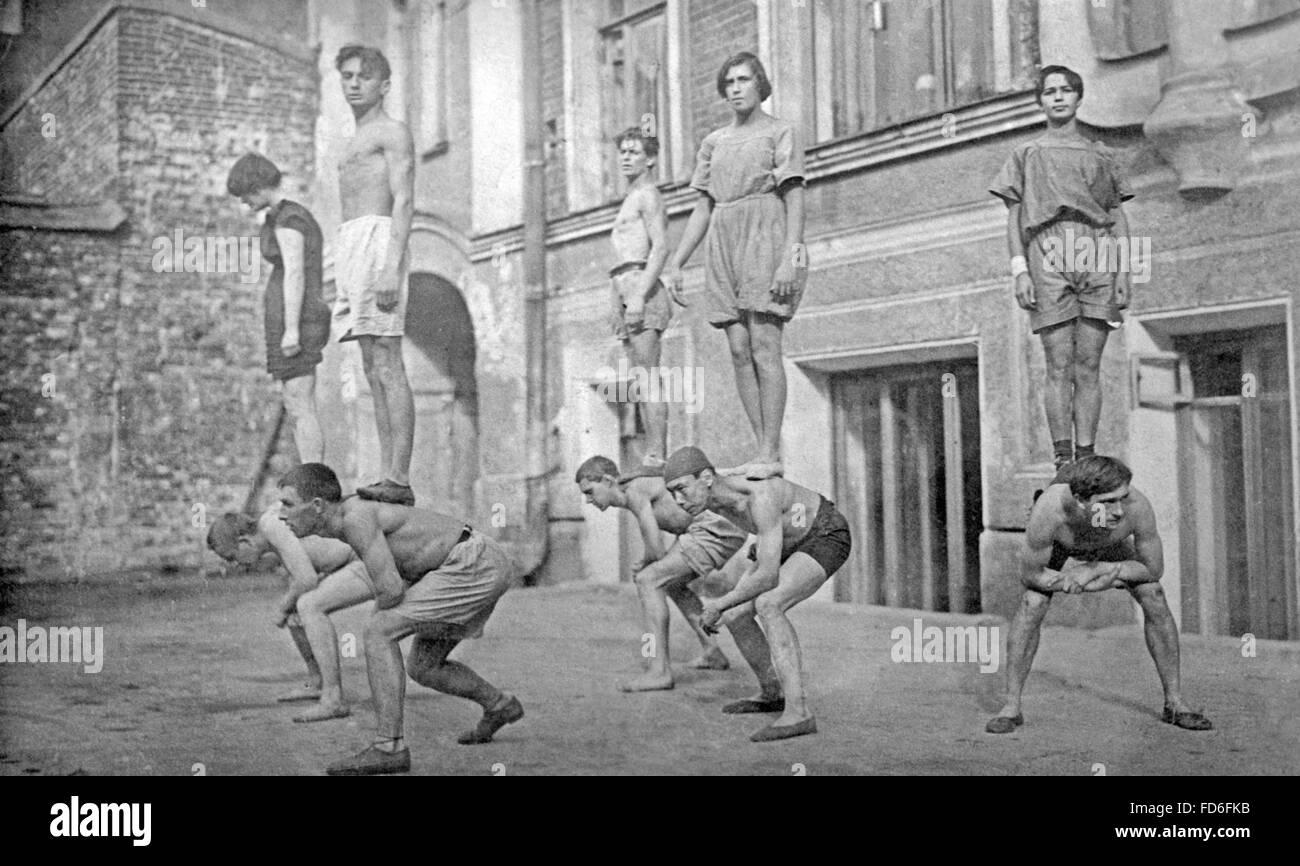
(413, 541)
(760, 503)
(651, 491)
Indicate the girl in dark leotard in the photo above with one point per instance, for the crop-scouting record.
(296, 318)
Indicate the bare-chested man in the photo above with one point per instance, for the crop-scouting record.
(1095, 520)
(802, 540)
(325, 575)
(704, 543)
(376, 190)
(435, 578)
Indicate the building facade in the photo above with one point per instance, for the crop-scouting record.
(914, 383)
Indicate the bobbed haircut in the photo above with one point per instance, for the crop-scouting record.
(372, 60)
(745, 58)
(1075, 80)
(250, 173)
(595, 469)
(314, 481)
(649, 143)
(226, 530)
(1096, 474)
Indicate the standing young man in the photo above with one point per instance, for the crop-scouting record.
(1063, 191)
(376, 189)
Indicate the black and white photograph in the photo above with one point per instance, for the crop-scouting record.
(651, 388)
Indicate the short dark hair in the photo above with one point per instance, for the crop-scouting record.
(649, 143)
(372, 60)
(226, 530)
(1075, 80)
(314, 481)
(250, 173)
(1095, 474)
(595, 469)
(755, 65)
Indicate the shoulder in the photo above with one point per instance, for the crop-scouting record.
(1046, 517)
(778, 127)
(646, 197)
(1144, 516)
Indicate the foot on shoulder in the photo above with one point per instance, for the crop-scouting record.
(493, 720)
(388, 491)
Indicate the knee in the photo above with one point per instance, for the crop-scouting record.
(422, 669)
(1034, 603)
(647, 578)
(1059, 369)
(307, 604)
(767, 351)
(379, 629)
(767, 607)
(1087, 369)
(742, 353)
(1151, 596)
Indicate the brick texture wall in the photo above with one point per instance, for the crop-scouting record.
(718, 29)
(161, 407)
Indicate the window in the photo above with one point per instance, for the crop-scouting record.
(634, 86)
(881, 63)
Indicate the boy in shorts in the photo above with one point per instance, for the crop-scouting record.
(641, 309)
(704, 543)
(1063, 191)
(324, 576)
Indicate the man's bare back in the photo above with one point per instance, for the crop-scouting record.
(796, 505)
(668, 514)
(418, 540)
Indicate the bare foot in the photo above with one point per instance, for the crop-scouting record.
(306, 692)
(648, 683)
(323, 713)
(712, 659)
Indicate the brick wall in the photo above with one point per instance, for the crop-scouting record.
(718, 29)
(163, 403)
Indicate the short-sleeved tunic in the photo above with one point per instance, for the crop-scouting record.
(314, 319)
(741, 169)
(1061, 178)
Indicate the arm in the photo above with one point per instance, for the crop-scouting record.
(400, 157)
(291, 244)
(303, 575)
(696, 228)
(655, 216)
(783, 281)
(1024, 286)
(1122, 280)
(361, 529)
(1037, 553)
(651, 536)
(766, 571)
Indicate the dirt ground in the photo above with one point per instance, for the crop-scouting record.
(192, 667)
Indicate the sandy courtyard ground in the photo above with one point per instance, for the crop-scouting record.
(192, 667)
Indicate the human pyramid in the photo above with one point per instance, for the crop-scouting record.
(769, 541)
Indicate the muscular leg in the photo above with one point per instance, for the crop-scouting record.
(399, 407)
(385, 672)
(342, 589)
(1022, 644)
(753, 645)
(644, 350)
(711, 656)
(801, 575)
(310, 690)
(1161, 633)
(1058, 393)
(1089, 342)
(299, 396)
(429, 666)
(370, 365)
(652, 586)
(742, 359)
(765, 332)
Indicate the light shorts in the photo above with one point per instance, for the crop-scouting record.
(359, 258)
(456, 598)
(709, 542)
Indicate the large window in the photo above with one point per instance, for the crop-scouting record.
(885, 62)
(634, 83)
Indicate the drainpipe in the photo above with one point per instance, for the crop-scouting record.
(532, 553)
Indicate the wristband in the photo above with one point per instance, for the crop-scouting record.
(1018, 266)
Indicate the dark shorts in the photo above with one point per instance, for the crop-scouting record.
(1120, 551)
(313, 334)
(828, 540)
(1063, 292)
